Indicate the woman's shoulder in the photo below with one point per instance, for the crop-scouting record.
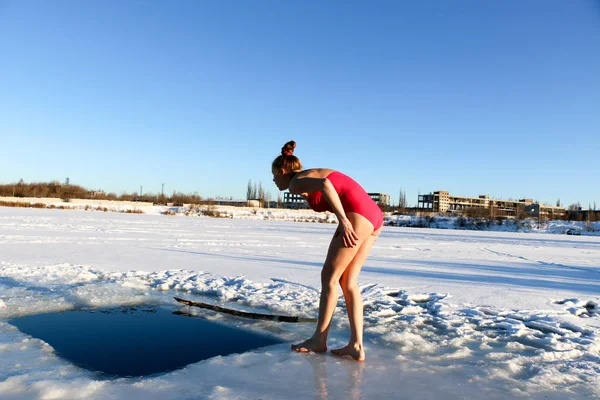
(304, 181)
(315, 173)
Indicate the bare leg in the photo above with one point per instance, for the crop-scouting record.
(354, 303)
(338, 259)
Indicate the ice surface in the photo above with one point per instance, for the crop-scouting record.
(452, 314)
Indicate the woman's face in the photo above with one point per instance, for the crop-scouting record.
(280, 178)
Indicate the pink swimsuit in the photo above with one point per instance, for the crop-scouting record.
(353, 197)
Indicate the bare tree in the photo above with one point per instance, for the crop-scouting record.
(521, 213)
(261, 192)
(402, 200)
(541, 220)
(249, 190)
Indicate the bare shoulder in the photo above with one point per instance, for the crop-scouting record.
(309, 180)
(314, 173)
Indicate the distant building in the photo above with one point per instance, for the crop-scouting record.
(97, 193)
(583, 215)
(382, 199)
(295, 201)
(233, 202)
(442, 201)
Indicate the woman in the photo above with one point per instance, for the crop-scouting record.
(360, 222)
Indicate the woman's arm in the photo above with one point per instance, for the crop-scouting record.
(309, 185)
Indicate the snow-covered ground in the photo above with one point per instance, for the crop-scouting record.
(449, 314)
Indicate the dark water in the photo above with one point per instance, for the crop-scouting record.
(135, 341)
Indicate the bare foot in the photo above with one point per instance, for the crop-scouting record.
(310, 345)
(355, 351)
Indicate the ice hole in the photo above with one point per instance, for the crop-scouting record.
(136, 341)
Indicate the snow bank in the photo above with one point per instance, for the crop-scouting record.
(528, 350)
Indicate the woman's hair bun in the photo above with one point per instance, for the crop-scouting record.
(288, 148)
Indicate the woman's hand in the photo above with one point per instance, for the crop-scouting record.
(345, 229)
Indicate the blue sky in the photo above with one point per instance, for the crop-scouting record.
(473, 97)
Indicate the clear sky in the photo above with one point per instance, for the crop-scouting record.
(474, 97)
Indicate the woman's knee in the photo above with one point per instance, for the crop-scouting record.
(349, 285)
(328, 278)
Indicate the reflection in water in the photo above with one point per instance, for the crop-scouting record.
(355, 376)
(320, 375)
(352, 381)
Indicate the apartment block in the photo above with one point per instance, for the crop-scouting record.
(443, 201)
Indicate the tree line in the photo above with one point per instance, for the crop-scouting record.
(255, 191)
(67, 191)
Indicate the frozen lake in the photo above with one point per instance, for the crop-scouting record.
(448, 313)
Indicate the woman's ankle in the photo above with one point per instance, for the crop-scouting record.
(319, 338)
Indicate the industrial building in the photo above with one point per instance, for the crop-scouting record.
(295, 201)
(441, 201)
